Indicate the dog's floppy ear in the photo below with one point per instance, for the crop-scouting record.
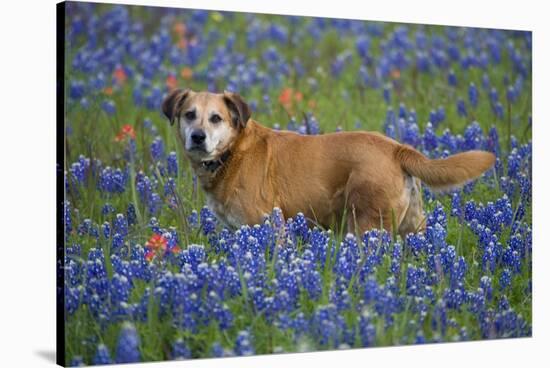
(173, 103)
(240, 112)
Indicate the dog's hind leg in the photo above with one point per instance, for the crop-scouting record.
(377, 205)
(362, 203)
(361, 218)
(414, 219)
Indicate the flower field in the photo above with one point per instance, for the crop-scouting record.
(151, 274)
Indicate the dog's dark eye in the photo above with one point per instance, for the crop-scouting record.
(190, 115)
(215, 118)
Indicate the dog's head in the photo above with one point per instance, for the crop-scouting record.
(208, 123)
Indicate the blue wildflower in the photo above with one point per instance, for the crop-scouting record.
(127, 349)
(180, 350)
(157, 149)
(109, 107)
(243, 345)
(461, 108)
(102, 355)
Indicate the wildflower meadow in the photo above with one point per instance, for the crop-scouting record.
(149, 272)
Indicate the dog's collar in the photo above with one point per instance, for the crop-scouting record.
(214, 165)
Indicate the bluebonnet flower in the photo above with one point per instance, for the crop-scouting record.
(85, 104)
(461, 108)
(112, 181)
(106, 229)
(217, 350)
(456, 205)
(415, 281)
(473, 95)
(77, 361)
(416, 242)
(84, 227)
(119, 291)
(243, 345)
(473, 137)
(102, 355)
(367, 330)
(172, 164)
(386, 94)
(193, 255)
(327, 325)
(127, 349)
(438, 117)
(338, 64)
(505, 279)
(80, 169)
(492, 142)
(208, 221)
(193, 219)
(96, 273)
(489, 258)
(430, 139)
(107, 209)
(121, 225)
(339, 296)
(299, 226)
(512, 259)
(448, 141)
(131, 214)
(362, 46)
(153, 99)
(117, 243)
(485, 283)
(180, 350)
(454, 299)
(412, 135)
(509, 324)
(157, 149)
(448, 256)
(77, 89)
(436, 235)
(457, 271)
(451, 78)
(75, 249)
(402, 111)
(109, 107)
(514, 163)
(423, 62)
(395, 267)
(72, 297)
(67, 219)
(439, 317)
(145, 187)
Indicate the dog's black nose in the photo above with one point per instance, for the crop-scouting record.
(198, 136)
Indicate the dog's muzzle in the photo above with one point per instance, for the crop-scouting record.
(198, 137)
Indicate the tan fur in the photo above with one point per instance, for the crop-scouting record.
(441, 173)
(373, 179)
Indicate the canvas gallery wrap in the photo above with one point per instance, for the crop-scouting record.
(236, 184)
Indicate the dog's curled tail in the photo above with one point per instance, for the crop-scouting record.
(444, 173)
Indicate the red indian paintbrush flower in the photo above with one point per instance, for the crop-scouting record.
(171, 82)
(186, 73)
(127, 130)
(120, 75)
(158, 245)
(289, 97)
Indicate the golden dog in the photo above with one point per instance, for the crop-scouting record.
(247, 169)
